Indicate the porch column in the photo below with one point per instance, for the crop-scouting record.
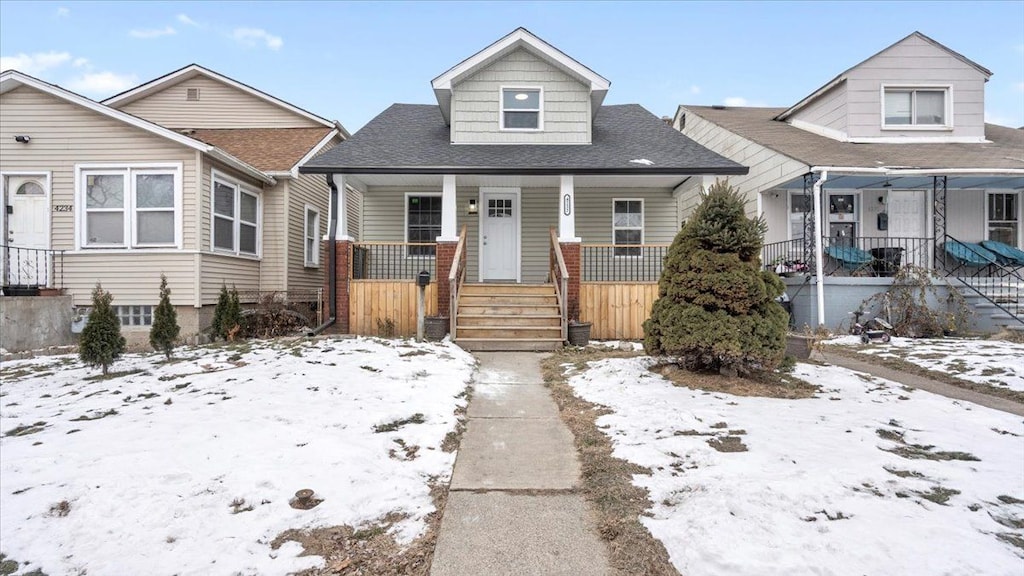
(446, 244)
(569, 244)
(343, 250)
(342, 208)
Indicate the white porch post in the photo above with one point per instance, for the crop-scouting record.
(342, 226)
(449, 230)
(567, 210)
(819, 264)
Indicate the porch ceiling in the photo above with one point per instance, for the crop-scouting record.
(874, 181)
(517, 181)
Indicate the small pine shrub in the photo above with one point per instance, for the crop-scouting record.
(165, 330)
(716, 308)
(227, 315)
(101, 342)
(223, 301)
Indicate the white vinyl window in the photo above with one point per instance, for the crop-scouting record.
(1002, 218)
(915, 107)
(235, 218)
(130, 207)
(627, 226)
(312, 237)
(521, 109)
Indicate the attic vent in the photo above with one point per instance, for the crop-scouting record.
(192, 94)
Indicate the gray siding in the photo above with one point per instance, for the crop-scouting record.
(219, 106)
(274, 261)
(915, 62)
(827, 111)
(476, 103)
(312, 190)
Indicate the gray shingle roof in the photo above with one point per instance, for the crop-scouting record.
(1006, 149)
(413, 138)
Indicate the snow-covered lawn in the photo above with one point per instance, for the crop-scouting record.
(188, 467)
(865, 478)
(996, 363)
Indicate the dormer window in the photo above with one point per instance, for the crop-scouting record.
(521, 108)
(915, 108)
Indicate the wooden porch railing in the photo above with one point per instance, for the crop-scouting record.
(456, 278)
(560, 278)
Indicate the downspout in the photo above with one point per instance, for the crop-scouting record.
(332, 258)
(819, 265)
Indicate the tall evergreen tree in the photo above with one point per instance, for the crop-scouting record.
(165, 330)
(716, 308)
(101, 342)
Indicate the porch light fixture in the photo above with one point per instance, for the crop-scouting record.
(24, 139)
(472, 206)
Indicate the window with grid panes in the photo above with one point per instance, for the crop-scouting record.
(423, 223)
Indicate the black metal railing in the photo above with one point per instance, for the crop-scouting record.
(618, 263)
(786, 258)
(873, 256)
(982, 273)
(392, 260)
(31, 268)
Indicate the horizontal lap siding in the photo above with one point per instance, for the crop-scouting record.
(131, 278)
(219, 106)
(312, 190)
(371, 302)
(828, 110)
(617, 311)
(219, 270)
(476, 103)
(274, 260)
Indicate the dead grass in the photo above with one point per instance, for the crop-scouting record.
(607, 481)
(370, 549)
(767, 385)
(728, 444)
(944, 377)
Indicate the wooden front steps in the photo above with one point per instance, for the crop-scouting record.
(508, 317)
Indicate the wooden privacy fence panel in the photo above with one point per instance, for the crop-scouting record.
(617, 311)
(373, 300)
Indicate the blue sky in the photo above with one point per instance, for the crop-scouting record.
(349, 61)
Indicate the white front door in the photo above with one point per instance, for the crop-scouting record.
(499, 235)
(28, 229)
(906, 210)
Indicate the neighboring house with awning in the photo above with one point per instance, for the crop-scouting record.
(529, 201)
(888, 164)
(193, 175)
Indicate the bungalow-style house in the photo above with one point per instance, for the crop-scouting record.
(192, 175)
(529, 202)
(890, 163)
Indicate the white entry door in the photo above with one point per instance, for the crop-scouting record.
(906, 209)
(499, 234)
(28, 230)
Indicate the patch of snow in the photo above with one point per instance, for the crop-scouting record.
(812, 494)
(619, 345)
(643, 161)
(151, 480)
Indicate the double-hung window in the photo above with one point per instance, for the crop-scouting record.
(312, 237)
(627, 227)
(521, 109)
(915, 107)
(422, 223)
(130, 207)
(1002, 217)
(235, 217)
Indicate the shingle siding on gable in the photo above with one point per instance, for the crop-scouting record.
(476, 103)
(828, 111)
(219, 106)
(915, 61)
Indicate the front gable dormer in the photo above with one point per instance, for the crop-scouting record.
(520, 90)
(916, 90)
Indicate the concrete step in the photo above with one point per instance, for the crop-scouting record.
(504, 309)
(505, 345)
(469, 320)
(509, 332)
(492, 288)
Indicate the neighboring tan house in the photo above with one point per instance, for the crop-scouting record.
(192, 175)
(528, 201)
(889, 163)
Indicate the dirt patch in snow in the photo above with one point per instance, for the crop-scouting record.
(764, 385)
(607, 481)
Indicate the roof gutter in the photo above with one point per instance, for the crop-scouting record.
(900, 171)
(241, 166)
(819, 258)
(332, 259)
(494, 170)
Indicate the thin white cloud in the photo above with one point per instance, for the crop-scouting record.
(63, 12)
(102, 83)
(79, 62)
(153, 32)
(34, 64)
(251, 37)
(694, 89)
(184, 19)
(1018, 87)
(735, 101)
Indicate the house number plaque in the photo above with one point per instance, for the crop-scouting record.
(62, 207)
(566, 205)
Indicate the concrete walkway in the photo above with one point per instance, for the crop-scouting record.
(915, 381)
(513, 507)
